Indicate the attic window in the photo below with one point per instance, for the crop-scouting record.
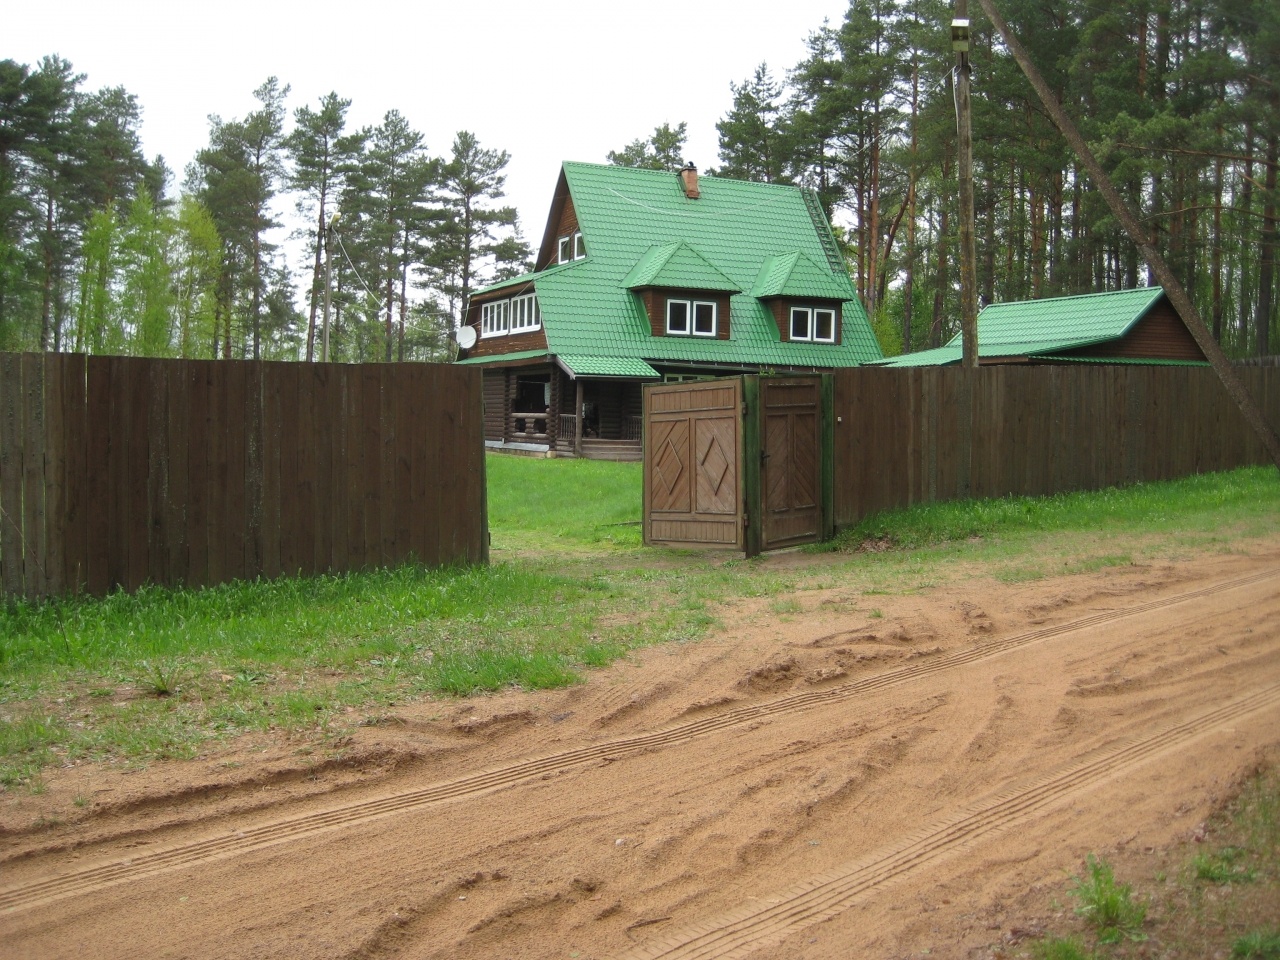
(572, 248)
(517, 315)
(817, 324)
(691, 318)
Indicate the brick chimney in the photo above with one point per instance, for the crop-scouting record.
(689, 180)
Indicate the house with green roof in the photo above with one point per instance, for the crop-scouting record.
(1121, 326)
(649, 276)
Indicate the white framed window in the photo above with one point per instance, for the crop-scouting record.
(691, 318)
(525, 314)
(571, 248)
(495, 317)
(801, 324)
(824, 325)
(817, 324)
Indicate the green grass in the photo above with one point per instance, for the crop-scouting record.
(162, 672)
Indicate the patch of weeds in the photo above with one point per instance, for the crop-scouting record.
(163, 677)
(488, 670)
(1223, 867)
(876, 614)
(1257, 945)
(785, 605)
(80, 800)
(1060, 948)
(1108, 906)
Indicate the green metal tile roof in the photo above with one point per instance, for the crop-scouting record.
(795, 275)
(677, 265)
(589, 366)
(1046, 328)
(735, 226)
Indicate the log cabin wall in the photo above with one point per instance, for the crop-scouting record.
(497, 406)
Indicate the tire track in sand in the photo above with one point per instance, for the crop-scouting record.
(182, 856)
(747, 929)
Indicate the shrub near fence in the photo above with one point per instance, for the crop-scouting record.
(120, 471)
(918, 435)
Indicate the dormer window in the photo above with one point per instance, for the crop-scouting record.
(691, 318)
(816, 324)
(572, 248)
(517, 315)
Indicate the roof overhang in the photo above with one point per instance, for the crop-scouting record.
(630, 368)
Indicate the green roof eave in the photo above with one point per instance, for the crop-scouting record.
(504, 357)
(524, 278)
(577, 365)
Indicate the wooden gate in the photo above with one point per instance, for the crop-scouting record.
(743, 462)
(693, 463)
(791, 455)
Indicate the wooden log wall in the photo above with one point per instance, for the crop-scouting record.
(117, 471)
(942, 433)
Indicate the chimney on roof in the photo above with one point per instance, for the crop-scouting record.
(689, 180)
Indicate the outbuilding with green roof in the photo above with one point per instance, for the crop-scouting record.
(1119, 326)
(647, 275)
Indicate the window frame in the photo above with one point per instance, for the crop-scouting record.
(691, 318)
(811, 324)
(498, 318)
(571, 247)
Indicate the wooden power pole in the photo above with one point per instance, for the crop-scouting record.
(1172, 288)
(964, 156)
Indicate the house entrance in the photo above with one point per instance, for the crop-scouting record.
(741, 462)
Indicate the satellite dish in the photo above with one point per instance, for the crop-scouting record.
(466, 337)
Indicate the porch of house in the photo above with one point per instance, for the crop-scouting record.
(540, 411)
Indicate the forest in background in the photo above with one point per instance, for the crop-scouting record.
(100, 251)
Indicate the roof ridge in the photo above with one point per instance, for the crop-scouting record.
(1075, 296)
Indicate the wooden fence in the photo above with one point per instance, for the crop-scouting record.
(119, 471)
(942, 433)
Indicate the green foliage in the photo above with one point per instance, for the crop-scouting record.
(663, 150)
(1257, 945)
(1222, 867)
(1057, 948)
(1108, 906)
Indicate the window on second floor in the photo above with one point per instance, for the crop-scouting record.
(572, 248)
(517, 315)
(691, 318)
(817, 324)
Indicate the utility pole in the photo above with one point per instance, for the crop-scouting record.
(1172, 288)
(328, 284)
(964, 152)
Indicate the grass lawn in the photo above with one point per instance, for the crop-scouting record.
(162, 673)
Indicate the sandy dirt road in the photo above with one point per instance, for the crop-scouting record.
(858, 777)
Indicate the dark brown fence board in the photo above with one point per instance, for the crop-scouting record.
(924, 434)
(118, 471)
(387, 471)
(306, 492)
(199, 470)
(254, 548)
(158, 465)
(355, 453)
(76, 505)
(177, 551)
(371, 445)
(273, 433)
(290, 506)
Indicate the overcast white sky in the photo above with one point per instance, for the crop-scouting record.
(552, 81)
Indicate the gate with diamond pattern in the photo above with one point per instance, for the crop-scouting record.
(693, 463)
(741, 462)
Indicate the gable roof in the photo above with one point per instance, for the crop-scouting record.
(680, 266)
(795, 275)
(1047, 329)
(641, 230)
